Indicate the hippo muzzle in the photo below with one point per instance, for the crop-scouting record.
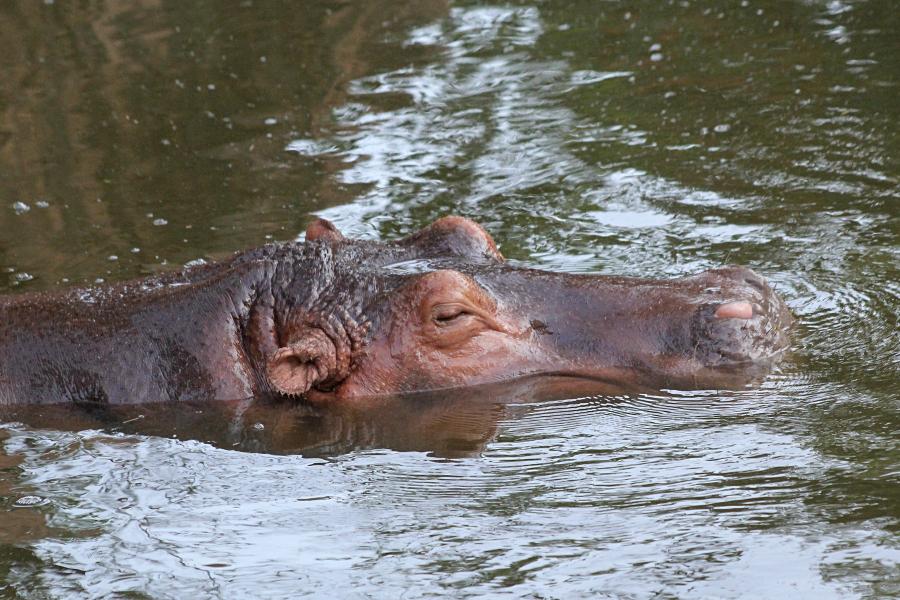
(747, 322)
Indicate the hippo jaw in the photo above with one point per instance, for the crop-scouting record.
(463, 318)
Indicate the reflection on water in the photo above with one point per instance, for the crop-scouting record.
(651, 138)
(583, 494)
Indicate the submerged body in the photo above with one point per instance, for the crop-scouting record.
(332, 318)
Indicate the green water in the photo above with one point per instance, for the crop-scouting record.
(649, 138)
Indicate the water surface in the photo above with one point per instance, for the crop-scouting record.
(644, 138)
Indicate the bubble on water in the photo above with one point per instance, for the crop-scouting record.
(160, 222)
(20, 207)
(656, 56)
(112, 257)
(135, 250)
(27, 501)
(258, 426)
(197, 262)
(42, 204)
(271, 121)
(655, 47)
(722, 128)
(23, 277)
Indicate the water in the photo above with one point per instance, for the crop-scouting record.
(653, 138)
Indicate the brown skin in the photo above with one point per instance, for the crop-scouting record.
(335, 319)
(447, 331)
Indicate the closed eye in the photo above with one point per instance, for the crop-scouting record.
(446, 314)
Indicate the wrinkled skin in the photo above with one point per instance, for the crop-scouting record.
(334, 319)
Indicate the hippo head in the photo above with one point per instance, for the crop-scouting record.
(441, 309)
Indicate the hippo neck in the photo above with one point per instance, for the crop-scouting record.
(169, 338)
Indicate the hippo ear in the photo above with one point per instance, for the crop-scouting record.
(456, 236)
(323, 229)
(297, 368)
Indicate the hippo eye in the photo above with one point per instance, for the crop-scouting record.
(445, 314)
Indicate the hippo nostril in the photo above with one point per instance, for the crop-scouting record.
(734, 310)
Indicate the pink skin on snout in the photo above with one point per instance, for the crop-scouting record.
(735, 310)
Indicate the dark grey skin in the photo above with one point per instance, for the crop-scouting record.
(332, 319)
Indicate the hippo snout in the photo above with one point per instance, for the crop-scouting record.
(743, 320)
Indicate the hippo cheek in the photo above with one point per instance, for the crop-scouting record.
(489, 357)
(442, 331)
(416, 364)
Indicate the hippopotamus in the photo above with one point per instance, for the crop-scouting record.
(331, 319)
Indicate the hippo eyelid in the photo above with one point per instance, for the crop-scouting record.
(443, 314)
(460, 313)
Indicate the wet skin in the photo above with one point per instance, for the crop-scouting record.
(335, 319)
